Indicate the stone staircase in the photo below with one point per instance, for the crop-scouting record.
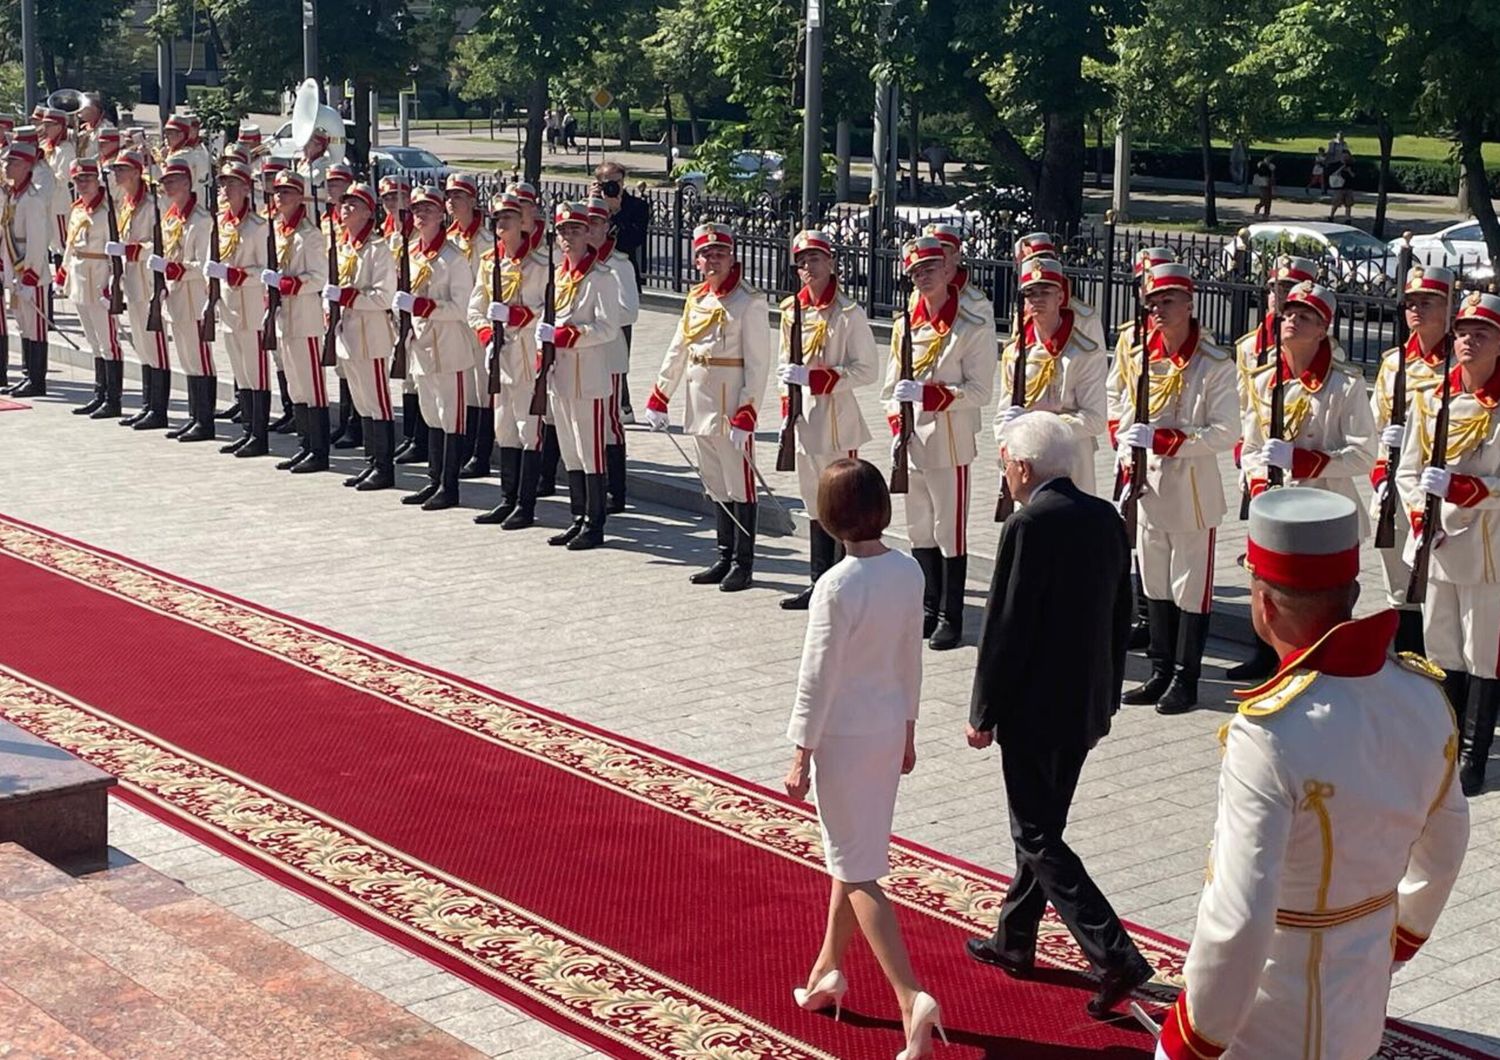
(128, 963)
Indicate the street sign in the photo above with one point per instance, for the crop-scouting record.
(602, 98)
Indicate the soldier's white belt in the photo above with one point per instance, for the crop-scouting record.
(716, 362)
(1328, 918)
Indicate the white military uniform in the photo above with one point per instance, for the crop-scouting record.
(1461, 615)
(588, 326)
(974, 300)
(59, 157)
(474, 244)
(1193, 409)
(1066, 373)
(87, 271)
(442, 345)
(839, 351)
(722, 347)
(185, 242)
(1339, 835)
(302, 259)
(953, 357)
(242, 298)
(523, 287)
(1326, 413)
(27, 233)
(619, 353)
(366, 333)
(135, 219)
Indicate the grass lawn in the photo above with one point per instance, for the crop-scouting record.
(1363, 142)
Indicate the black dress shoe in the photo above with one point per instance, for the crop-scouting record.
(1117, 985)
(801, 602)
(986, 952)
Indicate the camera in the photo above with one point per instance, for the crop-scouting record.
(610, 188)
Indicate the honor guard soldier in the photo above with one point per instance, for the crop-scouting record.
(532, 223)
(602, 242)
(1066, 371)
(1254, 349)
(59, 152)
(468, 232)
(85, 275)
(1118, 386)
(250, 139)
(107, 142)
(135, 216)
(176, 139)
(586, 326)
(349, 432)
(1340, 830)
(956, 274)
(26, 234)
(186, 229)
(838, 357)
(198, 157)
(1427, 302)
(531, 217)
(241, 260)
(1462, 611)
(442, 346)
(1192, 417)
(90, 119)
(1085, 319)
(270, 167)
(953, 373)
(396, 229)
(300, 273)
(364, 290)
(722, 348)
(523, 289)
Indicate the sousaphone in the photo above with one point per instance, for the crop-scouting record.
(312, 117)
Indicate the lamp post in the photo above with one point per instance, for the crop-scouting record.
(309, 39)
(28, 51)
(812, 115)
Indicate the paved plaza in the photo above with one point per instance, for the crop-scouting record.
(617, 638)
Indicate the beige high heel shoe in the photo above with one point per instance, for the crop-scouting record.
(925, 1015)
(828, 990)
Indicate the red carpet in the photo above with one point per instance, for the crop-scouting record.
(12, 405)
(647, 905)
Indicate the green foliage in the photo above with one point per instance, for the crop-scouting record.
(80, 44)
(219, 109)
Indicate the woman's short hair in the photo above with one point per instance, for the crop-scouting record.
(853, 501)
(1042, 440)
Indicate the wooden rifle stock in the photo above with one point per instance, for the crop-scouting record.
(403, 283)
(1260, 362)
(1131, 497)
(210, 322)
(549, 350)
(273, 294)
(1385, 521)
(901, 462)
(1275, 475)
(1432, 514)
(116, 265)
(158, 280)
(497, 336)
(1005, 504)
(335, 311)
(786, 449)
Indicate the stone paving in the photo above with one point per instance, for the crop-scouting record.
(619, 639)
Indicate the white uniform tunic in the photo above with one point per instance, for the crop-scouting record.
(86, 269)
(186, 232)
(136, 217)
(26, 233)
(619, 355)
(442, 345)
(473, 243)
(578, 388)
(366, 333)
(302, 260)
(523, 288)
(242, 297)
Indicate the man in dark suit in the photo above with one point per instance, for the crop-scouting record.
(630, 217)
(1051, 663)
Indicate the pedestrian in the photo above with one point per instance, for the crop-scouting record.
(1315, 178)
(1050, 668)
(1340, 831)
(1265, 184)
(1239, 164)
(552, 125)
(1341, 184)
(570, 130)
(854, 726)
(936, 156)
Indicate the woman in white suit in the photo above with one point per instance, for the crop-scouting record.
(854, 726)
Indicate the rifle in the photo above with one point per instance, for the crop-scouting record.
(1432, 515)
(159, 280)
(273, 294)
(1385, 522)
(330, 344)
(116, 265)
(403, 283)
(1275, 475)
(549, 350)
(1260, 362)
(786, 449)
(1005, 504)
(210, 321)
(497, 336)
(1130, 501)
(901, 460)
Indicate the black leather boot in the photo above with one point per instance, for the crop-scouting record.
(1409, 632)
(340, 427)
(145, 410)
(299, 421)
(595, 502)
(822, 547)
(1164, 621)
(382, 476)
(202, 428)
(510, 483)
(4, 359)
(193, 397)
(161, 396)
(931, 562)
(34, 359)
(317, 442)
(114, 386)
(1181, 695)
(411, 415)
(241, 402)
(614, 470)
(447, 494)
(724, 535)
(551, 453)
(1260, 666)
(1140, 630)
(525, 513)
(354, 433)
(479, 442)
(1478, 732)
(577, 507)
(238, 411)
(258, 423)
(98, 398)
(286, 422)
(434, 470)
(421, 442)
(743, 567)
(950, 626)
(369, 436)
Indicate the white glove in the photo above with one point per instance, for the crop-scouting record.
(1436, 481)
(114, 249)
(908, 390)
(270, 277)
(1161, 1054)
(738, 436)
(1279, 453)
(657, 421)
(332, 293)
(545, 332)
(499, 312)
(404, 301)
(1394, 436)
(216, 270)
(1010, 412)
(1138, 436)
(1381, 490)
(156, 263)
(798, 375)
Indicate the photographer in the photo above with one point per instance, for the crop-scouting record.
(630, 216)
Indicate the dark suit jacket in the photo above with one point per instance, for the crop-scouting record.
(631, 221)
(1052, 653)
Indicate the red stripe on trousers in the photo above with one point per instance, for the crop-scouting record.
(961, 509)
(749, 474)
(315, 361)
(205, 357)
(161, 351)
(115, 353)
(462, 405)
(382, 390)
(1208, 584)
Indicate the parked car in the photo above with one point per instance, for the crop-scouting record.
(1460, 247)
(1352, 258)
(418, 163)
(745, 166)
(281, 142)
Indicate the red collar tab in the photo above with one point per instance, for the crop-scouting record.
(943, 322)
(1057, 340)
(961, 278)
(730, 283)
(821, 300)
(1487, 393)
(357, 241)
(472, 230)
(1357, 648)
(1414, 350)
(433, 249)
(289, 226)
(584, 265)
(1157, 343)
(1316, 372)
(606, 248)
(185, 209)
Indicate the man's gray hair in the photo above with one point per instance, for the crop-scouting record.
(1042, 440)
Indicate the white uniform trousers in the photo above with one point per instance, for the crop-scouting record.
(615, 421)
(247, 358)
(477, 386)
(302, 361)
(150, 346)
(369, 384)
(1461, 627)
(444, 397)
(515, 426)
(937, 509)
(194, 356)
(810, 468)
(29, 305)
(100, 329)
(580, 432)
(1178, 566)
(1397, 573)
(726, 470)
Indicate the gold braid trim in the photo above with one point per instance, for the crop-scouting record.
(348, 263)
(1465, 433)
(693, 330)
(172, 229)
(814, 341)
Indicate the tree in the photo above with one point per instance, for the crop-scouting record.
(683, 60)
(80, 44)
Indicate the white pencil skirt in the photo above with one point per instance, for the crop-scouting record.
(854, 781)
